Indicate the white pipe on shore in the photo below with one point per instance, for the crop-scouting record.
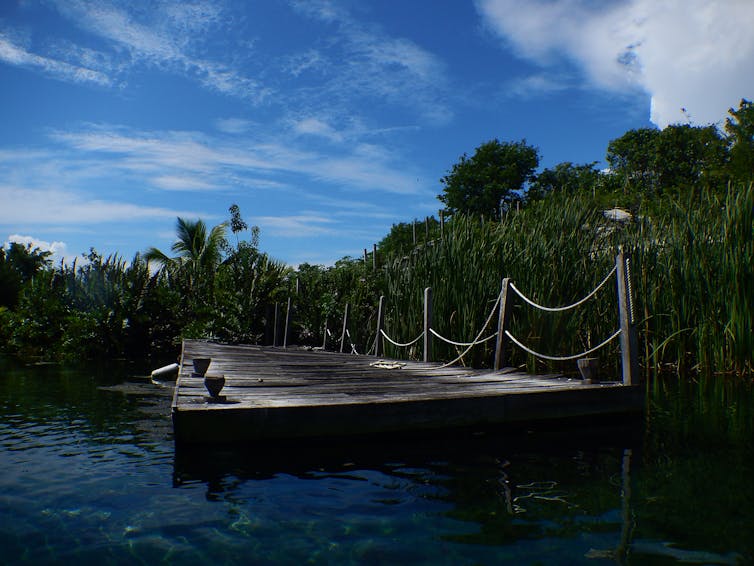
(165, 371)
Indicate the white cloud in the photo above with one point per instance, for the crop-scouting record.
(693, 54)
(296, 226)
(168, 36)
(58, 249)
(316, 127)
(361, 60)
(540, 83)
(14, 54)
(201, 160)
(233, 125)
(36, 207)
(181, 183)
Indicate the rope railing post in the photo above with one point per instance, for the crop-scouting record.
(427, 323)
(275, 330)
(324, 338)
(287, 324)
(629, 361)
(345, 327)
(502, 322)
(379, 343)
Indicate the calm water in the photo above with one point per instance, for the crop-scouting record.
(89, 474)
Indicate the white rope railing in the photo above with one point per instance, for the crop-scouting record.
(398, 344)
(462, 344)
(353, 348)
(567, 307)
(482, 331)
(561, 358)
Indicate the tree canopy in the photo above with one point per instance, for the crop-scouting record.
(488, 182)
(740, 129)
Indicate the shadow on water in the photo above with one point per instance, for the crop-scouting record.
(301, 456)
(513, 488)
(90, 469)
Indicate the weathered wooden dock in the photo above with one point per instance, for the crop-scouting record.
(293, 393)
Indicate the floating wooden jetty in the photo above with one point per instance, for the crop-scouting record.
(294, 393)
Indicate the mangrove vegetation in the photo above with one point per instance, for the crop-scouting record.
(678, 201)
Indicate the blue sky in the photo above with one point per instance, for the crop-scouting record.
(325, 121)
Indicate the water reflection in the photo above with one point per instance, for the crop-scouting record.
(90, 473)
(499, 490)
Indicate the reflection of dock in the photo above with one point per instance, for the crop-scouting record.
(276, 393)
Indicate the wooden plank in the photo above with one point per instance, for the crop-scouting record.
(275, 393)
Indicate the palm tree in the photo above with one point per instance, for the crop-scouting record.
(198, 252)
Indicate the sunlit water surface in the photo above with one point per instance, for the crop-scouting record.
(89, 474)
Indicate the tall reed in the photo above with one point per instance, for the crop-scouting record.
(692, 271)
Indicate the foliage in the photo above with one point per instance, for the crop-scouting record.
(655, 163)
(405, 236)
(18, 264)
(546, 248)
(320, 304)
(740, 129)
(491, 180)
(565, 177)
(690, 237)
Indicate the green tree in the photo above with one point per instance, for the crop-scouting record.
(18, 264)
(488, 182)
(688, 156)
(405, 236)
(192, 272)
(739, 127)
(672, 161)
(564, 177)
(248, 280)
(199, 252)
(631, 158)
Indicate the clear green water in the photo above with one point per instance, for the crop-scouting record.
(89, 474)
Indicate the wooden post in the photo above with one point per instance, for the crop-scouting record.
(413, 229)
(442, 224)
(380, 341)
(426, 229)
(374, 257)
(275, 330)
(502, 322)
(267, 325)
(287, 323)
(629, 361)
(365, 257)
(345, 327)
(324, 339)
(427, 324)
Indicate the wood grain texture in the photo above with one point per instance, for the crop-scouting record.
(276, 393)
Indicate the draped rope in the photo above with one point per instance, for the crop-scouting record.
(353, 348)
(561, 358)
(567, 307)
(394, 343)
(482, 341)
(486, 324)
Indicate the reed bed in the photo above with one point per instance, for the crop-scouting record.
(692, 268)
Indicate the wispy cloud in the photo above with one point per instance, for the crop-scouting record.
(199, 160)
(19, 55)
(170, 36)
(537, 84)
(691, 54)
(233, 125)
(297, 226)
(361, 60)
(38, 206)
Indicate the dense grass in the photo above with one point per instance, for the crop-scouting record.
(692, 270)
